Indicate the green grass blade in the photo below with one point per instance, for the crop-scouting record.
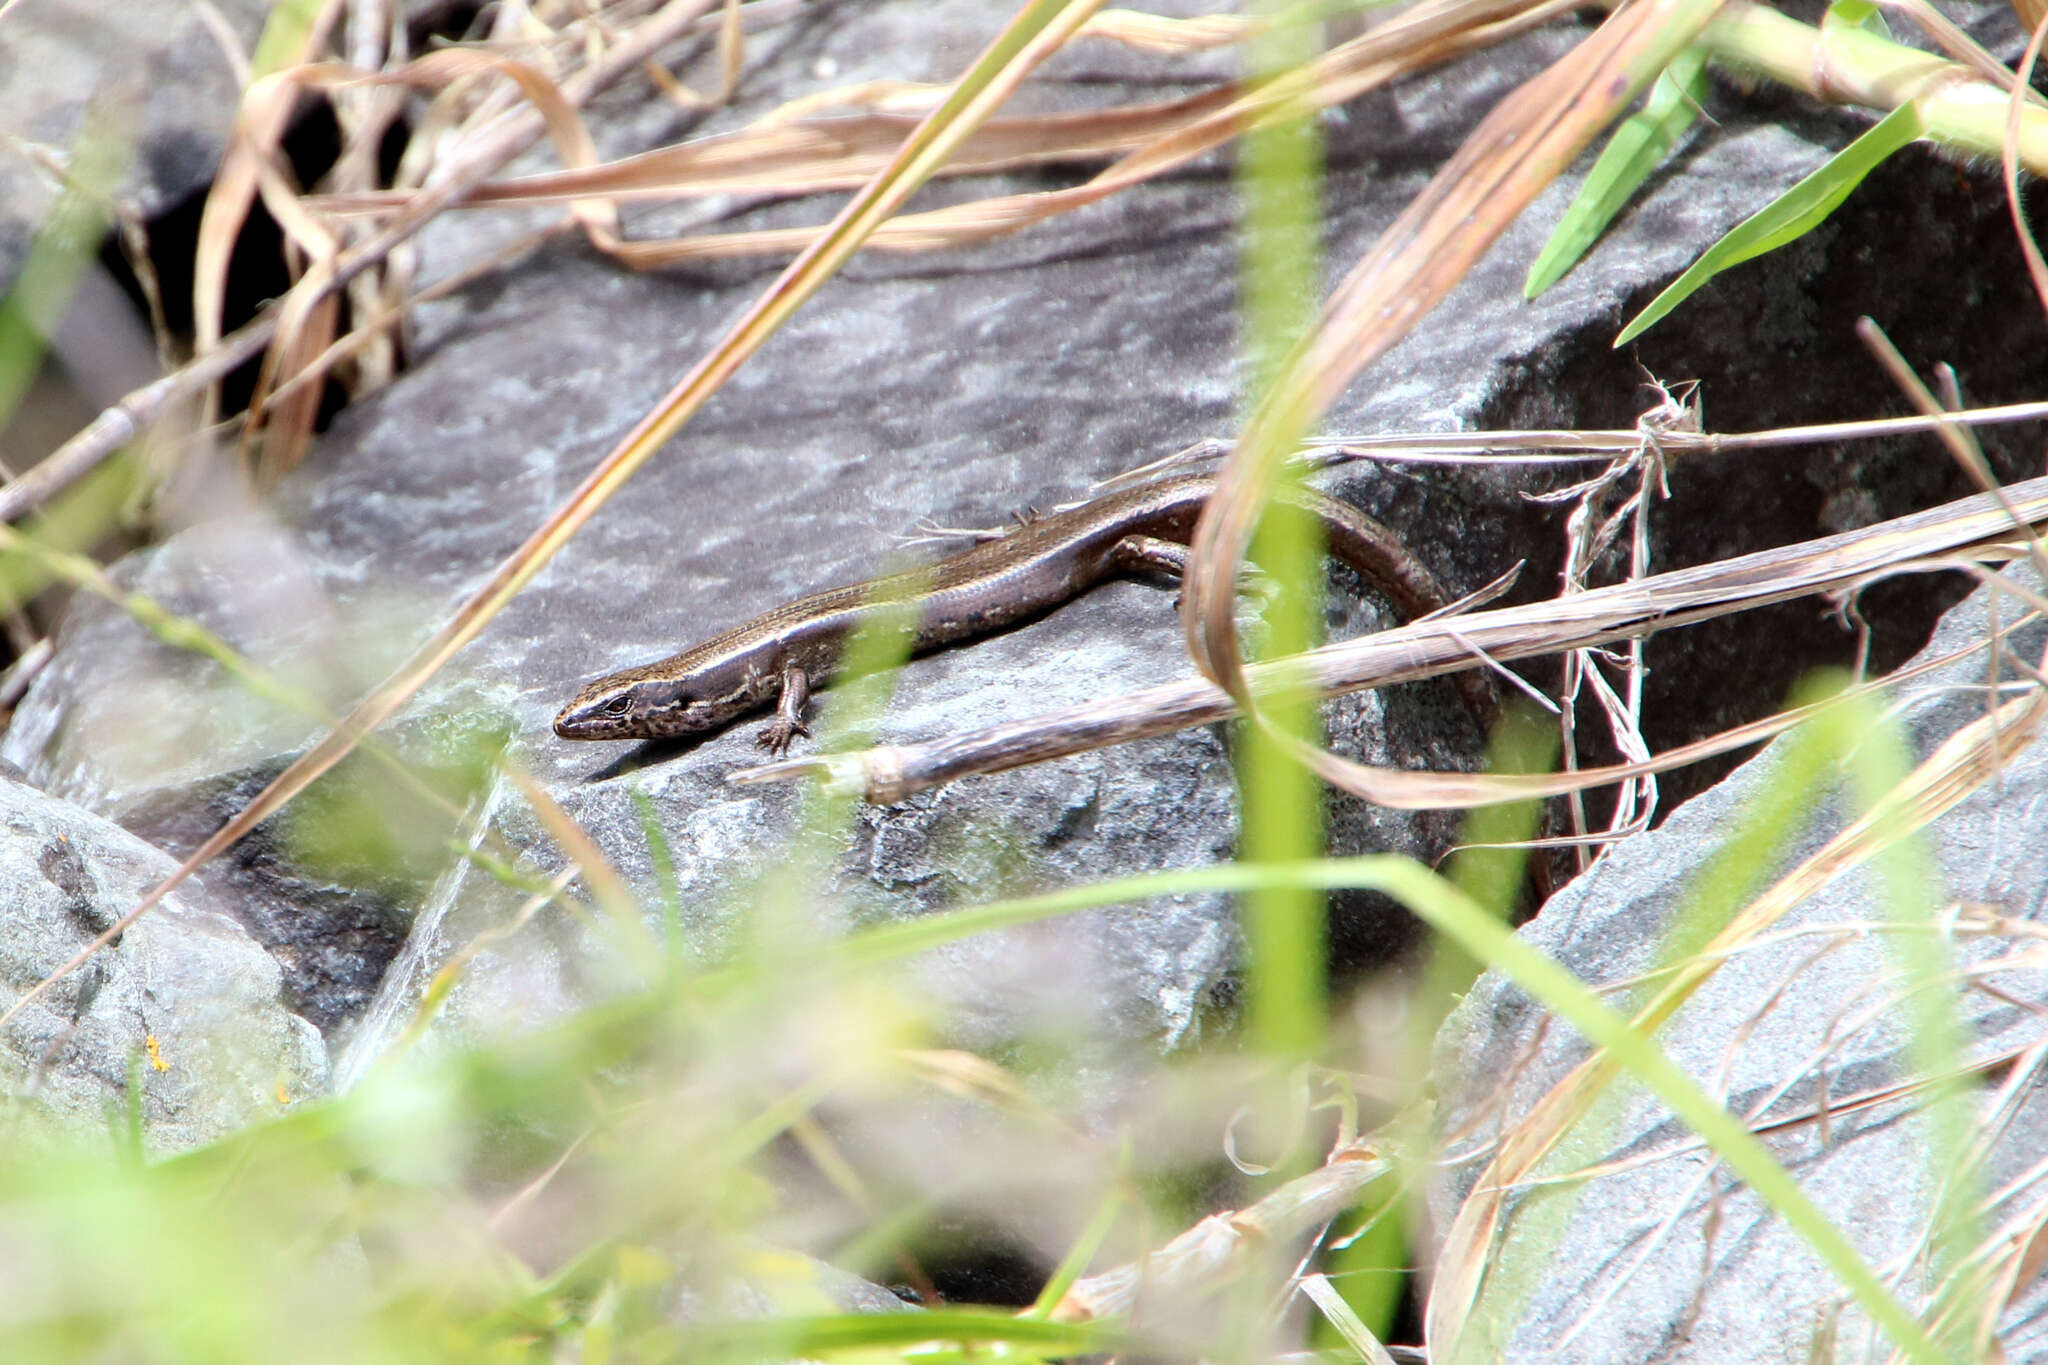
(663, 858)
(829, 1334)
(1453, 914)
(1913, 894)
(1367, 1272)
(285, 31)
(1793, 214)
(1078, 1256)
(63, 248)
(1480, 933)
(1639, 145)
(1279, 182)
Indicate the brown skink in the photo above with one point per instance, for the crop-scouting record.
(979, 591)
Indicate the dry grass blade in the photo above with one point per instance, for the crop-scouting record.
(1959, 439)
(305, 328)
(607, 887)
(489, 151)
(1345, 1320)
(85, 574)
(2009, 162)
(1821, 1115)
(260, 122)
(1202, 1258)
(1158, 33)
(1564, 446)
(375, 38)
(777, 156)
(1421, 36)
(371, 330)
(732, 54)
(1675, 445)
(1517, 150)
(1424, 649)
(1033, 35)
(1950, 774)
(308, 318)
(451, 972)
(1965, 50)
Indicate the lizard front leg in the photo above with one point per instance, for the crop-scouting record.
(789, 711)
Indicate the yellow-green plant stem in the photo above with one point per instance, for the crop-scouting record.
(1846, 63)
(1279, 177)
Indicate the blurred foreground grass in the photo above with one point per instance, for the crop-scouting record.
(634, 1182)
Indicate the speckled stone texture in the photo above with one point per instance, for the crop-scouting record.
(1671, 1258)
(172, 1036)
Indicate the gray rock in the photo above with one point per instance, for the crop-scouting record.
(1674, 1259)
(161, 76)
(176, 1028)
(958, 386)
(141, 95)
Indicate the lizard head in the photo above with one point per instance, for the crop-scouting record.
(641, 703)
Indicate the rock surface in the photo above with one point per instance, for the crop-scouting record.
(959, 387)
(1673, 1258)
(158, 76)
(174, 1035)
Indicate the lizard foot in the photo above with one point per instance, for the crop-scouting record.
(776, 735)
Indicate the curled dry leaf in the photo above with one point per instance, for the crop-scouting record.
(829, 153)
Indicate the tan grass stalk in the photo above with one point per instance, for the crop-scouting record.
(260, 125)
(1521, 145)
(2009, 160)
(1208, 1254)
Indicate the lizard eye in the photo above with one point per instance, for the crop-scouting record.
(619, 705)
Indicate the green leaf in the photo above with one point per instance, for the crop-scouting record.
(1793, 214)
(1639, 145)
(1863, 14)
